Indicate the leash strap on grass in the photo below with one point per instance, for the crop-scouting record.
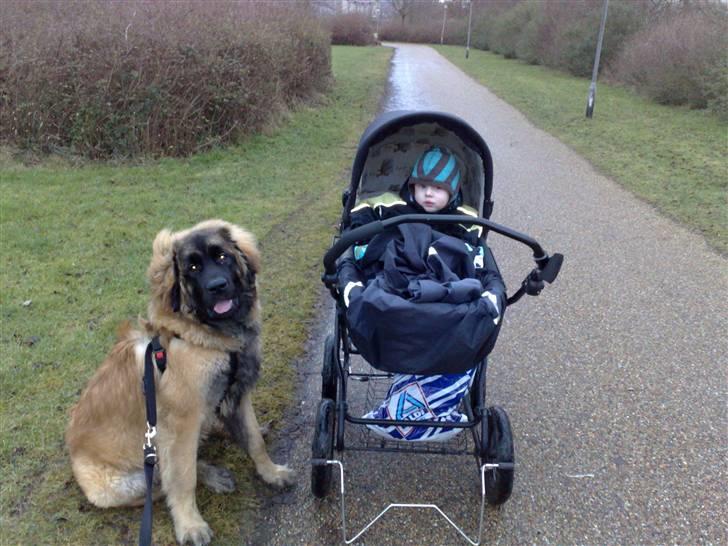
(150, 450)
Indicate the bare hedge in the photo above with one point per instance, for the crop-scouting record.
(394, 31)
(351, 29)
(128, 78)
(425, 33)
(680, 60)
(561, 34)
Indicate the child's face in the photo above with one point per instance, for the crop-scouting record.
(431, 198)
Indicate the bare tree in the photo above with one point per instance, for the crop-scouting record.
(403, 8)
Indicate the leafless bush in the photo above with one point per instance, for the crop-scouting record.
(421, 34)
(558, 33)
(351, 29)
(426, 33)
(680, 60)
(123, 78)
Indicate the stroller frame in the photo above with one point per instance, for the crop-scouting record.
(342, 494)
(489, 426)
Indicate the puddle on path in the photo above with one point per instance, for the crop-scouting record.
(406, 92)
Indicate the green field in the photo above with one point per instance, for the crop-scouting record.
(673, 158)
(75, 246)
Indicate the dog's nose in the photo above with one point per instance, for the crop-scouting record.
(217, 284)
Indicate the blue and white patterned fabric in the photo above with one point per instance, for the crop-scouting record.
(423, 398)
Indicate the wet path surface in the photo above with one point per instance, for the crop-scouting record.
(614, 378)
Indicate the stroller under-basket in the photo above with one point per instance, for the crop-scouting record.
(386, 153)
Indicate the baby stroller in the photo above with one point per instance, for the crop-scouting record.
(387, 150)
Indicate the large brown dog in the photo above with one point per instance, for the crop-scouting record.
(204, 307)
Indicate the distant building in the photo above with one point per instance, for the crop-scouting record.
(367, 7)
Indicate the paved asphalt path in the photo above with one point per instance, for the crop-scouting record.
(614, 378)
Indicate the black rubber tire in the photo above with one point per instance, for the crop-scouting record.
(329, 373)
(499, 449)
(323, 448)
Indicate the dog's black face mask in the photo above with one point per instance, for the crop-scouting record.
(212, 283)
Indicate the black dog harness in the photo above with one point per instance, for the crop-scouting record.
(155, 354)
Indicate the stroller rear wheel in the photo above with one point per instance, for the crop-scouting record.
(498, 448)
(323, 448)
(329, 374)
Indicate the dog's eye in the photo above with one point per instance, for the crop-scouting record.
(193, 268)
(221, 257)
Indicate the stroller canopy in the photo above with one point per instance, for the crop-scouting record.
(394, 141)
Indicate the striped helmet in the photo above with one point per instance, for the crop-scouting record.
(437, 167)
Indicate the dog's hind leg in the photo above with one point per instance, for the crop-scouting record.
(218, 479)
(243, 425)
(108, 487)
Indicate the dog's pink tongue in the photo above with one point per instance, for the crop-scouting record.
(222, 307)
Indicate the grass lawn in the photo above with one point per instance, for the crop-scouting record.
(674, 158)
(76, 242)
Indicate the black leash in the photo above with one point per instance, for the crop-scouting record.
(156, 350)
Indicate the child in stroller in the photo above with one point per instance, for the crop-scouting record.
(426, 267)
(387, 307)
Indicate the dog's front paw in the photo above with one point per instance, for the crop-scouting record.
(279, 475)
(198, 534)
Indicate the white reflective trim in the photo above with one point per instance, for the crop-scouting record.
(467, 210)
(362, 206)
(387, 199)
(348, 289)
(494, 300)
(431, 251)
(476, 229)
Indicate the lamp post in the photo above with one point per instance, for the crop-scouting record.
(378, 10)
(593, 86)
(444, 19)
(470, 19)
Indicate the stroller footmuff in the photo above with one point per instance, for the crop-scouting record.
(423, 310)
(419, 305)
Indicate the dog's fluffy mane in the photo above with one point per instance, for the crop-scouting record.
(162, 319)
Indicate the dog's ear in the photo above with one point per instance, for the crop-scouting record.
(161, 272)
(244, 242)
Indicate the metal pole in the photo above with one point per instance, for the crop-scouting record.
(470, 18)
(444, 18)
(379, 18)
(593, 86)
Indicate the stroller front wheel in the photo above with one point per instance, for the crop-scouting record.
(323, 448)
(329, 373)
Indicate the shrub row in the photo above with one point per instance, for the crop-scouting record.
(128, 78)
(426, 33)
(351, 29)
(680, 60)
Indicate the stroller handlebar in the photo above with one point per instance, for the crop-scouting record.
(371, 229)
(547, 266)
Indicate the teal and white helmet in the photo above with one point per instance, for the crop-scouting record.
(438, 167)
